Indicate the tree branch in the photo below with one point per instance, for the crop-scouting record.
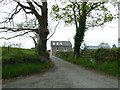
(54, 30)
(93, 6)
(11, 16)
(33, 38)
(34, 11)
(15, 36)
(18, 29)
(75, 17)
(1, 1)
(14, 13)
(38, 4)
(23, 6)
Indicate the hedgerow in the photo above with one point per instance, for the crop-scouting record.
(102, 54)
(104, 60)
(64, 53)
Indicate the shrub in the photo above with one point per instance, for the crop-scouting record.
(102, 55)
(89, 53)
(118, 52)
(64, 54)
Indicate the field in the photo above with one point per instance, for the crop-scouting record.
(17, 62)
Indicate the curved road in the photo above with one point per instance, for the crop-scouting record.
(63, 75)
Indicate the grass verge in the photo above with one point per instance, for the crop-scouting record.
(108, 67)
(17, 62)
(27, 68)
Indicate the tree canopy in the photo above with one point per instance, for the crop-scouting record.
(84, 15)
(97, 13)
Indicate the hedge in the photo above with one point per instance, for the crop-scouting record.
(106, 54)
(100, 54)
(64, 53)
(103, 60)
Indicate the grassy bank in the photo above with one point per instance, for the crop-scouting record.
(17, 55)
(27, 68)
(109, 67)
(17, 62)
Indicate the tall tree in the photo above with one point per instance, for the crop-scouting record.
(39, 10)
(84, 15)
(32, 23)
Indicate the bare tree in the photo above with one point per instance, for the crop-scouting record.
(39, 10)
(33, 35)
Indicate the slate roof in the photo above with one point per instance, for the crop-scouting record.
(61, 43)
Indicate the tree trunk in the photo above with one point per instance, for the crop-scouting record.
(79, 37)
(43, 33)
(76, 50)
(77, 45)
(42, 47)
(78, 41)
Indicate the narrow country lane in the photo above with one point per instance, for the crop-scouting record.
(64, 75)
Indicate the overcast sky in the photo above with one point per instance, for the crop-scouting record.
(107, 34)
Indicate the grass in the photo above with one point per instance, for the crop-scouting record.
(17, 62)
(108, 67)
(17, 55)
(27, 68)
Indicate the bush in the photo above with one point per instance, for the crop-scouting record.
(64, 54)
(118, 52)
(89, 53)
(102, 55)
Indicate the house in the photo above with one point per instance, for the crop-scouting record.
(60, 46)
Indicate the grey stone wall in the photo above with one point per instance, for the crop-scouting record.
(60, 46)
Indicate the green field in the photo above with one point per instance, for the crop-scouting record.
(17, 55)
(17, 62)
